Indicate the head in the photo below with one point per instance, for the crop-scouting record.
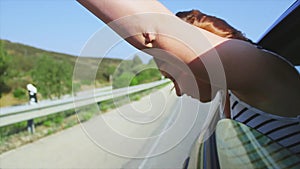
(190, 16)
(184, 79)
(185, 82)
(212, 24)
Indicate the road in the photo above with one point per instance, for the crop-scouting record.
(156, 132)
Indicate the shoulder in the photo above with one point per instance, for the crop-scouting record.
(246, 62)
(260, 78)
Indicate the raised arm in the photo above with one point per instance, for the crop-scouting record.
(110, 10)
(150, 24)
(250, 72)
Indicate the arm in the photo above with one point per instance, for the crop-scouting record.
(249, 71)
(148, 23)
(111, 10)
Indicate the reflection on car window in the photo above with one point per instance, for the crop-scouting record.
(243, 146)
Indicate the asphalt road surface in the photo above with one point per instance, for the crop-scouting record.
(156, 132)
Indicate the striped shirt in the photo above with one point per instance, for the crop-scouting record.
(285, 131)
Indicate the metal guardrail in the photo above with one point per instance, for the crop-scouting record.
(39, 110)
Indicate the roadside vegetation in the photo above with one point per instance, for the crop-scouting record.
(52, 74)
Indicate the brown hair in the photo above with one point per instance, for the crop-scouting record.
(212, 24)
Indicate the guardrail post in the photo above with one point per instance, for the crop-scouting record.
(30, 126)
(99, 105)
(32, 101)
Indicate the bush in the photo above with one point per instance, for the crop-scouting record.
(123, 80)
(48, 123)
(58, 120)
(53, 77)
(19, 93)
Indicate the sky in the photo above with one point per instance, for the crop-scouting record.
(65, 26)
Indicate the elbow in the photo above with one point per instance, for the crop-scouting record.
(149, 39)
(142, 41)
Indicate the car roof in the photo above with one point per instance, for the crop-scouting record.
(283, 35)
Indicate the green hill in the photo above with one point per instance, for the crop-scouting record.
(20, 64)
(53, 72)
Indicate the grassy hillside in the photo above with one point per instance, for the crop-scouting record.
(20, 62)
(53, 72)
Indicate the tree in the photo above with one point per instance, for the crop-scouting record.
(3, 70)
(109, 71)
(52, 78)
(123, 80)
(136, 60)
(134, 72)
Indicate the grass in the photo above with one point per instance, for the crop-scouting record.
(9, 100)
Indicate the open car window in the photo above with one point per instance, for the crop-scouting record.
(283, 36)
